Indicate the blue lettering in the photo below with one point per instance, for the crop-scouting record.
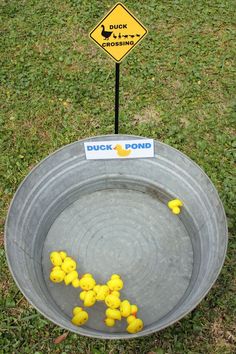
(138, 146)
(99, 147)
(141, 146)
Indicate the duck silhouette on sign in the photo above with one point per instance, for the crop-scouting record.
(105, 34)
(122, 152)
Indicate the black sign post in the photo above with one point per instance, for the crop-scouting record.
(117, 87)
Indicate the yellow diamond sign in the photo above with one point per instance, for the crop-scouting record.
(118, 32)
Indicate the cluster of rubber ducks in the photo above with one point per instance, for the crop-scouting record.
(64, 269)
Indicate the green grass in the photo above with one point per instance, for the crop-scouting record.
(177, 86)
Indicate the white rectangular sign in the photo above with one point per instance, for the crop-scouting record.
(119, 149)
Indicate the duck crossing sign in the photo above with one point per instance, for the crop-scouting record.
(118, 32)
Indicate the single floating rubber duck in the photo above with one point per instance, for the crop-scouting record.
(113, 313)
(70, 277)
(126, 309)
(55, 258)
(134, 324)
(101, 292)
(175, 205)
(112, 301)
(80, 316)
(57, 275)
(87, 282)
(68, 265)
(109, 322)
(88, 297)
(115, 283)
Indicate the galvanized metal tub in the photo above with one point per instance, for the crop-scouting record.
(112, 217)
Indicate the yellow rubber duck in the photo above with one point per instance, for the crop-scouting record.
(175, 205)
(88, 297)
(115, 283)
(115, 293)
(80, 316)
(110, 322)
(134, 324)
(113, 313)
(75, 283)
(56, 268)
(68, 265)
(63, 255)
(126, 309)
(122, 152)
(134, 310)
(101, 292)
(55, 258)
(112, 301)
(70, 277)
(57, 275)
(87, 282)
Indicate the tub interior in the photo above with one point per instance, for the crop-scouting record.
(128, 232)
(113, 218)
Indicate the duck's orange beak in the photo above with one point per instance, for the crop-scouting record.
(115, 148)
